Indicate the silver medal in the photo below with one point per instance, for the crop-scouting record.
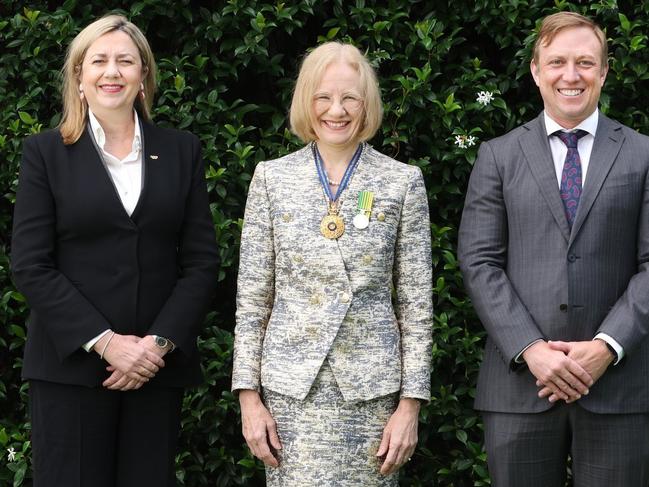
(361, 221)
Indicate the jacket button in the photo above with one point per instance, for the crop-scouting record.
(344, 298)
(563, 307)
(343, 348)
(287, 217)
(572, 258)
(367, 259)
(381, 216)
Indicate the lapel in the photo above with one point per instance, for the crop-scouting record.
(362, 180)
(305, 184)
(100, 174)
(89, 144)
(607, 144)
(150, 156)
(536, 149)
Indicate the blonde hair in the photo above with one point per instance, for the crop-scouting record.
(311, 73)
(75, 110)
(555, 23)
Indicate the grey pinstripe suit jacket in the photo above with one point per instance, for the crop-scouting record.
(529, 276)
(302, 298)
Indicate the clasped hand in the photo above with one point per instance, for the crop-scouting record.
(133, 360)
(567, 370)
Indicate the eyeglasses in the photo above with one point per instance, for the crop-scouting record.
(350, 102)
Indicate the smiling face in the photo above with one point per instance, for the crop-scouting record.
(111, 74)
(570, 75)
(337, 109)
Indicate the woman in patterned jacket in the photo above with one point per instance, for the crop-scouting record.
(334, 303)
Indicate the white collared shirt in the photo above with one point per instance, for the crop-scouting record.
(584, 145)
(126, 173)
(559, 151)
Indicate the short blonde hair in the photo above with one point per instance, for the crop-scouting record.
(75, 110)
(311, 73)
(555, 23)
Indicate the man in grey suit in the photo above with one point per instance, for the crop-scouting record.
(554, 247)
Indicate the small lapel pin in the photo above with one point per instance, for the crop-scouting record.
(153, 156)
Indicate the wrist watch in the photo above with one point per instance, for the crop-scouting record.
(163, 343)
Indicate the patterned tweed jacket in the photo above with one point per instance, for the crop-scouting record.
(303, 298)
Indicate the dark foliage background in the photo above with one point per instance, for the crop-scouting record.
(226, 74)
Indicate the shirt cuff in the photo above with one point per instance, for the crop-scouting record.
(519, 358)
(619, 351)
(88, 345)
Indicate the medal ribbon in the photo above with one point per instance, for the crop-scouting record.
(365, 200)
(346, 177)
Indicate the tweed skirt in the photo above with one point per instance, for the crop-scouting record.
(327, 442)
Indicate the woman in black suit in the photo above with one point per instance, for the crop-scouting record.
(113, 247)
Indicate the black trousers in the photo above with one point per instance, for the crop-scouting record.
(94, 437)
(531, 450)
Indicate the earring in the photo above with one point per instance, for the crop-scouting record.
(81, 95)
(142, 91)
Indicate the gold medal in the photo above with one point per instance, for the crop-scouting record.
(332, 225)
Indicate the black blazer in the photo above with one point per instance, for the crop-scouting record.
(84, 265)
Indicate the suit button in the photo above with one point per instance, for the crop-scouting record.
(381, 216)
(344, 348)
(344, 298)
(572, 258)
(367, 259)
(287, 217)
(298, 259)
(563, 307)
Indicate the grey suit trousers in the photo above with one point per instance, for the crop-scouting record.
(531, 450)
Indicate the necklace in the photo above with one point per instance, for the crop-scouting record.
(332, 225)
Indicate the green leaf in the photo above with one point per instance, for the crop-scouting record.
(26, 118)
(332, 33)
(179, 83)
(17, 331)
(624, 22)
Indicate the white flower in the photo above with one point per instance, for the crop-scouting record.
(11, 457)
(485, 97)
(465, 141)
(459, 141)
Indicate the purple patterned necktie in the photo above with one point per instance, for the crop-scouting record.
(571, 176)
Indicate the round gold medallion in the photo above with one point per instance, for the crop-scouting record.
(332, 226)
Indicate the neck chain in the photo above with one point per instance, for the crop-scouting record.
(346, 177)
(332, 225)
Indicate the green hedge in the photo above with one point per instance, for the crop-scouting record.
(226, 74)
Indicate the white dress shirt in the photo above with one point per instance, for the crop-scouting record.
(584, 145)
(559, 151)
(125, 173)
